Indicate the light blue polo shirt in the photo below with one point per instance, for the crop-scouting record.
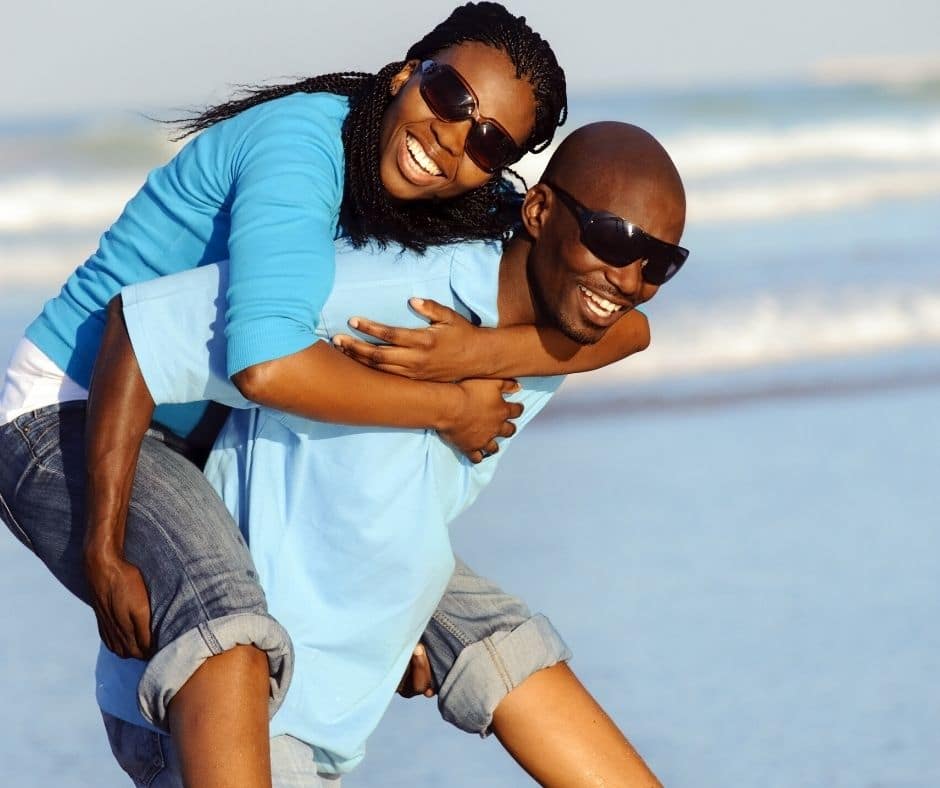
(347, 525)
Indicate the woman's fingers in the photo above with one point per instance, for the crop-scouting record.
(390, 335)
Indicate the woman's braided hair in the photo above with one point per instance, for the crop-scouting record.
(367, 211)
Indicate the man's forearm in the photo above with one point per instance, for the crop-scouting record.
(120, 409)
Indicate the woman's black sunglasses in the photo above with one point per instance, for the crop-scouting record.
(451, 99)
(619, 243)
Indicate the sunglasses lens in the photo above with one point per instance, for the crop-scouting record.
(608, 238)
(658, 271)
(489, 147)
(446, 94)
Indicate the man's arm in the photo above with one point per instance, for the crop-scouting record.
(119, 412)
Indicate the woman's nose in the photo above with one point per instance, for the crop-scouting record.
(452, 136)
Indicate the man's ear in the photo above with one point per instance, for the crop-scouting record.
(536, 206)
(399, 80)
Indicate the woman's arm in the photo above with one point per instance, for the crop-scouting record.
(321, 383)
(452, 348)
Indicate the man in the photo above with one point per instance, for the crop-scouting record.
(347, 526)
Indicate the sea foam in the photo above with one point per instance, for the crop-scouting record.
(771, 329)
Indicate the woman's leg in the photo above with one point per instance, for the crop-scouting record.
(204, 596)
(500, 669)
(563, 738)
(219, 721)
(151, 760)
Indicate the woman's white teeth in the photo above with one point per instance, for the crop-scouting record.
(598, 305)
(422, 159)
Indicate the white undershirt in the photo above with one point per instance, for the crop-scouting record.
(33, 380)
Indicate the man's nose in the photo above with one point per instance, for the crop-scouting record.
(452, 136)
(628, 280)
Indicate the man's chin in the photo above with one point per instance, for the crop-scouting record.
(580, 333)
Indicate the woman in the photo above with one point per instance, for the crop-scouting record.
(413, 155)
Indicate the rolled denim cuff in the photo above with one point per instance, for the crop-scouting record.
(173, 665)
(486, 671)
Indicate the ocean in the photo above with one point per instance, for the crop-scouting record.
(735, 530)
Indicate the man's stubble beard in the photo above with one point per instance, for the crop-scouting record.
(546, 314)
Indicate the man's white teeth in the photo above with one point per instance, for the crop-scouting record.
(422, 159)
(598, 305)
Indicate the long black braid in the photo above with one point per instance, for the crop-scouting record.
(367, 211)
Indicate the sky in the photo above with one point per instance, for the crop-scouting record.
(64, 57)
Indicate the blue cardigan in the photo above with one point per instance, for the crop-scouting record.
(262, 189)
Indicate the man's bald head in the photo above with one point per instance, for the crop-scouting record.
(604, 167)
(622, 169)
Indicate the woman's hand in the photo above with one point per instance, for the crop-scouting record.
(121, 604)
(482, 416)
(450, 348)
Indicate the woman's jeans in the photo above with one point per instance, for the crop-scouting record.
(204, 593)
(203, 589)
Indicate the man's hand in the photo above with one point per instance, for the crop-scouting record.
(417, 679)
(482, 416)
(450, 348)
(121, 605)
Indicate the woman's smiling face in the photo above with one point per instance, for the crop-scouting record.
(422, 156)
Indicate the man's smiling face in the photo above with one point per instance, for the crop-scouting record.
(577, 291)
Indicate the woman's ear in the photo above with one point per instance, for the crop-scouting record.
(535, 209)
(399, 80)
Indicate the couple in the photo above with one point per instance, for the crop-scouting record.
(49, 443)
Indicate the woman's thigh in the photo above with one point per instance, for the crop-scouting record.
(178, 532)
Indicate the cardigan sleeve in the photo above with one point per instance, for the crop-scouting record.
(287, 189)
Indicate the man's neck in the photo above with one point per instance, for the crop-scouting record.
(514, 299)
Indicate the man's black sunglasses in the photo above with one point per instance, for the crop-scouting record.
(619, 242)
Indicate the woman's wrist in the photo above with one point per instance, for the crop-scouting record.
(483, 354)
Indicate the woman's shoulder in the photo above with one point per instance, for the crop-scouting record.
(320, 110)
